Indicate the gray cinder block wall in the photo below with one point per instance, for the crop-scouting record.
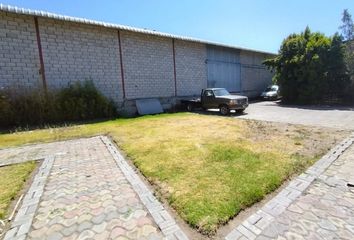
(190, 80)
(19, 62)
(148, 66)
(154, 66)
(76, 52)
(254, 76)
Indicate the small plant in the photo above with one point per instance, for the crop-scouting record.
(77, 102)
(82, 101)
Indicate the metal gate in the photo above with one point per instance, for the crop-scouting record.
(224, 69)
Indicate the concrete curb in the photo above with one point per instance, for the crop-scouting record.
(253, 226)
(162, 218)
(24, 217)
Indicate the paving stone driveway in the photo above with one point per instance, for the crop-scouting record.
(324, 211)
(318, 204)
(86, 190)
(86, 196)
(32, 152)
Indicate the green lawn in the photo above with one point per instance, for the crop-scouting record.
(12, 179)
(207, 167)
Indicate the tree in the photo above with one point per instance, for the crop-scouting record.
(309, 67)
(348, 36)
(337, 76)
(348, 27)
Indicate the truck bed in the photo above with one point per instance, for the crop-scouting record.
(195, 102)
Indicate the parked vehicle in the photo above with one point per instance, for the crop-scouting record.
(217, 98)
(271, 93)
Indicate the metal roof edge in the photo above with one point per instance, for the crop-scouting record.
(38, 13)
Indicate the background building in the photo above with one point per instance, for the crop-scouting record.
(44, 50)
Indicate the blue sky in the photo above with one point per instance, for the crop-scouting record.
(256, 24)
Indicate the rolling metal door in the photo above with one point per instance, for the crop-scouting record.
(224, 68)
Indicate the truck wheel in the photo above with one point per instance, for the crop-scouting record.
(224, 110)
(189, 107)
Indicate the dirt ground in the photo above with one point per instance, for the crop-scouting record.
(314, 140)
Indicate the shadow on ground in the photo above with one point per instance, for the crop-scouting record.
(215, 112)
(279, 103)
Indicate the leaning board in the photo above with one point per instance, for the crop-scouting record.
(148, 106)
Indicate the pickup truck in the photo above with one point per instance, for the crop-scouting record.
(217, 98)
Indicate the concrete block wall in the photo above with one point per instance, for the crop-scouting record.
(19, 62)
(252, 58)
(254, 80)
(254, 76)
(148, 66)
(190, 80)
(77, 52)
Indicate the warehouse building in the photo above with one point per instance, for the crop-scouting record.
(45, 50)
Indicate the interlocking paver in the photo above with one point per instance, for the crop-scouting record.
(316, 205)
(325, 208)
(82, 180)
(31, 152)
(85, 196)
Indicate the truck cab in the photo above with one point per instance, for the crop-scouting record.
(220, 98)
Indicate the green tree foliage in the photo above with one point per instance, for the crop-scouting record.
(310, 67)
(337, 76)
(347, 27)
(347, 32)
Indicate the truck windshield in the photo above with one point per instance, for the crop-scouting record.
(221, 92)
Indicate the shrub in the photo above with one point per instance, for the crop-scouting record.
(77, 102)
(82, 101)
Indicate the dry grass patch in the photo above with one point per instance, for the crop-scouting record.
(208, 168)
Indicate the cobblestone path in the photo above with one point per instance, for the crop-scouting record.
(324, 211)
(318, 204)
(85, 189)
(31, 152)
(85, 196)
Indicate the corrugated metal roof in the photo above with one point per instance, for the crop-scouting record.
(13, 9)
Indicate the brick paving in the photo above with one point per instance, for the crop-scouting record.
(324, 211)
(32, 152)
(85, 195)
(316, 205)
(86, 190)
